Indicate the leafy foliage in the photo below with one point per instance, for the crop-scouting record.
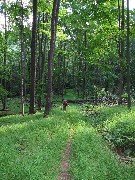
(3, 92)
(122, 132)
(116, 124)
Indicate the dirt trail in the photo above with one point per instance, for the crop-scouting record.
(65, 166)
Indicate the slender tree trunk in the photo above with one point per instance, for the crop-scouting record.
(5, 60)
(54, 21)
(44, 53)
(79, 81)
(128, 58)
(32, 109)
(84, 80)
(39, 95)
(42, 58)
(64, 73)
(44, 64)
(59, 67)
(22, 62)
(121, 54)
(85, 68)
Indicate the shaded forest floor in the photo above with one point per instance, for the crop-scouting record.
(33, 147)
(13, 107)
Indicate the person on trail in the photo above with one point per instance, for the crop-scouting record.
(64, 104)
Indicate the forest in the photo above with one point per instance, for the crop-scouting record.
(81, 51)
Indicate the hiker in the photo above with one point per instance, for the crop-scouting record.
(64, 104)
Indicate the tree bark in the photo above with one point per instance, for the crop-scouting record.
(54, 21)
(39, 77)
(22, 62)
(43, 40)
(85, 68)
(128, 59)
(121, 53)
(64, 73)
(5, 60)
(32, 109)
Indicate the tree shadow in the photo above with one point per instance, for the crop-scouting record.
(18, 119)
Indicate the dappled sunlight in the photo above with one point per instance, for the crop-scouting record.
(13, 127)
(15, 119)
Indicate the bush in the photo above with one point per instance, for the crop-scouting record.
(121, 132)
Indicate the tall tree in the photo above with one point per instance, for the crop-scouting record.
(85, 67)
(54, 20)
(32, 109)
(42, 43)
(121, 52)
(22, 60)
(128, 58)
(5, 57)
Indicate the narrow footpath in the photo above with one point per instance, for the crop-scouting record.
(65, 166)
(87, 156)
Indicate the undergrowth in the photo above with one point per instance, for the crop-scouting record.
(116, 124)
(92, 159)
(32, 147)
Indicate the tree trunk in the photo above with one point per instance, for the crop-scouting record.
(59, 77)
(42, 58)
(121, 54)
(39, 77)
(22, 62)
(5, 60)
(128, 58)
(54, 21)
(32, 109)
(85, 68)
(64, 73)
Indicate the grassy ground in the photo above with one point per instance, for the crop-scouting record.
(13, 107)
(92, 158)
(32, 147)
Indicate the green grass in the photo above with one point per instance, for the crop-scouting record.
(92, 159)
(32, 147)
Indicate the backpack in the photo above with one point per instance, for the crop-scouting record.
(65, 103)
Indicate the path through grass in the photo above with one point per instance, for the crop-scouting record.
(32, 148)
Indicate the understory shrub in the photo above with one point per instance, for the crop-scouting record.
(121, 132)
(116, 124)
